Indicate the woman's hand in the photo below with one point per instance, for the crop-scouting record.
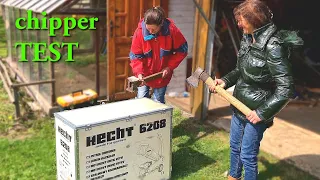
(217, 82)
(165, 72)
(140, 77)
(253, 117)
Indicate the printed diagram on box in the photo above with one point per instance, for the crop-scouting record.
(64, 170)
(149, 156)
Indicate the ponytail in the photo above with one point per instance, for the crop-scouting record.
(155, 15)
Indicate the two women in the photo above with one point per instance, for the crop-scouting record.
(262, 77)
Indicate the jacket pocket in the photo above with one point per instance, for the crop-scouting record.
(148, 58)
(255, 98)
(164, 53)
(257, 63)
(242, 52)
(256, 54)
(256, 69)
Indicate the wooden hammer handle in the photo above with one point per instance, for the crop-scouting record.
(231, 99)
(153, 76)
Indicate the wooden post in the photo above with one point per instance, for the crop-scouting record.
(15, 35)
(165, 5)
(141, 8)
(52, 76)
(97, 40)
(39, 64)
(156, 3)
(21, 39)
(16, 102)
(201, 31)
(16, 93)
(111, 49)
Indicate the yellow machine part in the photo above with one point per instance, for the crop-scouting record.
(77, 98)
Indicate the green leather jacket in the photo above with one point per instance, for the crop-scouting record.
(263, 75)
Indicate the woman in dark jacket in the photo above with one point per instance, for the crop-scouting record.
(263, 81)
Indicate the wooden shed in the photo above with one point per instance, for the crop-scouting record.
(101, 62)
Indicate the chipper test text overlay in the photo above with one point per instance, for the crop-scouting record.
(52, 25)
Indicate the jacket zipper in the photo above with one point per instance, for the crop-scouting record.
(157, 56)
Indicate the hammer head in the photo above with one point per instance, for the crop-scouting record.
(133, 83)
(198, 74)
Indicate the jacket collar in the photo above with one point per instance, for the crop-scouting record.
(262, 35)
(164, 31)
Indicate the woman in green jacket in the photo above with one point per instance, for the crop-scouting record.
(263, 81)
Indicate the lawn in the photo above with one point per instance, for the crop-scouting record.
(199, 151)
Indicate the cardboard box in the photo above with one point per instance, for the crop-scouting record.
(122, 140)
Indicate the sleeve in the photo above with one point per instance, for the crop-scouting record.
(280, 69)
(180, 49)
(136, 53)
(231, 78)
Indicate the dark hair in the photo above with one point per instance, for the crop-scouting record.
(154, 15)
(256, 12)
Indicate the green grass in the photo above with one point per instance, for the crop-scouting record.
(31, 158)
(6, 110)
(199, 153)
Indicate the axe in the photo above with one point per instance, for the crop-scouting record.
(134, 82)
(193, 81)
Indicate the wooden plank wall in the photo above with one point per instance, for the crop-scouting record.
(201, 30)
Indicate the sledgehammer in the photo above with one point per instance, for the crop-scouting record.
(193, 81)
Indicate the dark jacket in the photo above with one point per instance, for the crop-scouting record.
(263, 75)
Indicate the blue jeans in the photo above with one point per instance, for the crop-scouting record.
(245, 140)
(158, 93)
